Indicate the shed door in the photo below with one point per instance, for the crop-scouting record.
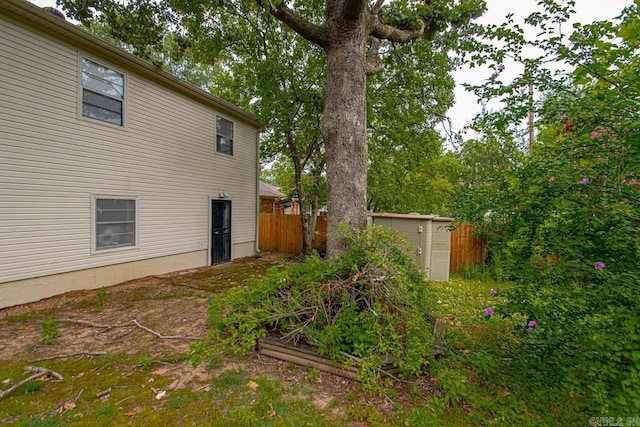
(220, 231)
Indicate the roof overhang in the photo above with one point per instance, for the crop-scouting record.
(41, 20)
(409, 216)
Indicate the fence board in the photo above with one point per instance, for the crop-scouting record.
(465, 249)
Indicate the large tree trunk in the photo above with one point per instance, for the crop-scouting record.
(344, 120)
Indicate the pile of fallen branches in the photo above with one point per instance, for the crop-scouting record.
(366, 305)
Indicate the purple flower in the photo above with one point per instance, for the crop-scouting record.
(584, 181)
(599, 265)
(488, 311)
(501, 67)
(595, 134)
(532, 325)
(493, 292)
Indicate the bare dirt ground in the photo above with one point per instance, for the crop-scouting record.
(173, 309)
(185, 316)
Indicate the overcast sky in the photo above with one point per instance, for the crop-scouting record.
(466, 106)
(587, 11)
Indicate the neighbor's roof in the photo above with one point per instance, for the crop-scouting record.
(270, 191)
(37, 18)
(410, 216)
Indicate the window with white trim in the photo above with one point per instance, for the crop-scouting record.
(102, 93)
(115, 223)
(224, 136)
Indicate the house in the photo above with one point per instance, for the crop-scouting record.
(270, 197)
(271, 201)
(111, 169)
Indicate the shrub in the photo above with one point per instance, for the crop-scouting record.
(564, 219)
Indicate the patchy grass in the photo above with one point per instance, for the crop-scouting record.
(228, 276)
(143, 380)
(232, 398)
(476, 382)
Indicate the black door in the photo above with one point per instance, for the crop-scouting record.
(220, 231)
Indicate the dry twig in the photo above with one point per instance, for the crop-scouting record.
(164, 337)
(103, 393)
(65, 356)
(122, 325)
(39, 372)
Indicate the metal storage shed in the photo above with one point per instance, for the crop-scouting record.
(428, 235)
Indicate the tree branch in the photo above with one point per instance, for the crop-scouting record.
(131, 322)
(39, 372)
(64, 356)
(315, 34)
(389, 32)
(375, 9)
(373, 65)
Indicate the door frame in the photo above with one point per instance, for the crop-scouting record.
(210, 229)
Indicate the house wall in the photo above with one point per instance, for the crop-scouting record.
(22, 291)
(52, 162)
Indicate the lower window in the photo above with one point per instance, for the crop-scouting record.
(115, 223)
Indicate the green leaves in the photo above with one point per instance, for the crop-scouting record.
(270, 4)
(563, 219)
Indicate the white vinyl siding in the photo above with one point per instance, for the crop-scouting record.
(51, 164)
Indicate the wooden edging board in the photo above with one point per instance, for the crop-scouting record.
(309, 357)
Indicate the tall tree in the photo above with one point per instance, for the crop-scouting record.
(352, 34)
(351, 37)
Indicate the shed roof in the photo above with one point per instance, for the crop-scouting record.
(410, 216)
(270, 191)
(35, 17)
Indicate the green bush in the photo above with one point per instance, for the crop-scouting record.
(564, 219)
(365, 305)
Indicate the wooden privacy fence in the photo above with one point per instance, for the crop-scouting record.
(282, 233)
(465, 249)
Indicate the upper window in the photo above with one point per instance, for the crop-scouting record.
(102, 93)
(115, 223)
(224, 136)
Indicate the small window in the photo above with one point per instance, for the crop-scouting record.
(102, 93)
(115, 223)
(224, 136)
